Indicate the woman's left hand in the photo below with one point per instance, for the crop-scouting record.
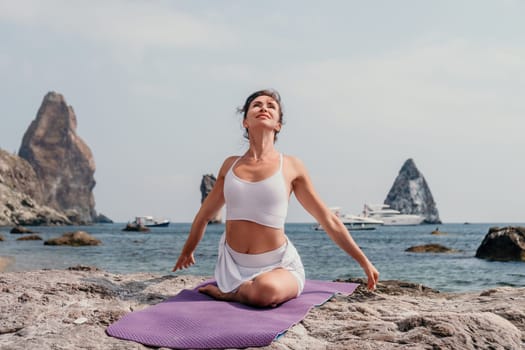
(372, 275)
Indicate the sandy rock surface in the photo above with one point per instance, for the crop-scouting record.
(70, 309)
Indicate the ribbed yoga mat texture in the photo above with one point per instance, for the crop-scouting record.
(192, 320)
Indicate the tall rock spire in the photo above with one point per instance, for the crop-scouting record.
(62, 161)
(207, 183)
(410, 194)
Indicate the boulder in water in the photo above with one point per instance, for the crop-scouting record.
(75, 239)
(20, 229)
(503, 244)
(430, 248)
(438, 232)
(29, 238)
(133, 227)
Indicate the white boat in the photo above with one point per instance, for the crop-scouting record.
(150, 221)
(358, 222)
(354, 222)
(389, 216)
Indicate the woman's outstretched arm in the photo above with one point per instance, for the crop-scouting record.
(209, 208)
(336, 230)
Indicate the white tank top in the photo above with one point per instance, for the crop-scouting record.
(264, 202)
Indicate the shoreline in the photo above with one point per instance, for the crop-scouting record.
(386, 247)
(7, 261)
(72, 308)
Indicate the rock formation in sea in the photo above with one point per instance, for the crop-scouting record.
(102, 219)
(62, 161)
(503, 244)
(410, 194)
(21, 197)
(207, 183)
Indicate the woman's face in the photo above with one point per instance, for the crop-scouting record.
(263, 110)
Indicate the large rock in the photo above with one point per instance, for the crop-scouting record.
(503, 244)
(71, 309)
(21, 195)
(410, 194)
(207, 183)
(19, 209)
(62, 161)
(17, 174)
(74, 239)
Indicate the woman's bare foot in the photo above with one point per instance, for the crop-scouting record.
(215, 292)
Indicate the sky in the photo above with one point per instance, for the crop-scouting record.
(365, 85)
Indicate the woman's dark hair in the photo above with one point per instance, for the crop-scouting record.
(266, 92)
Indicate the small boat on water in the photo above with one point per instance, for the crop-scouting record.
(150, 221)
(389, 216)
(353, 222)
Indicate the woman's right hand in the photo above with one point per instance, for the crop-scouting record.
(184, 261)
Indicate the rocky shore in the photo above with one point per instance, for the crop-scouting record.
(70, 309)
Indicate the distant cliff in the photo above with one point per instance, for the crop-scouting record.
(207, 183)
(21, 195)
(62, 161)
(410, 194)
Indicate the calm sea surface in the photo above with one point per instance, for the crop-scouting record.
(157, 251)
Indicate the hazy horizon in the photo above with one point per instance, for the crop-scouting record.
(365, 86)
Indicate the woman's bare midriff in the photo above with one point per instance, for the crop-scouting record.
(248, 237)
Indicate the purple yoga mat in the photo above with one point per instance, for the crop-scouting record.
(192, 320)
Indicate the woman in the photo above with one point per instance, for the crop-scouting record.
(257, 264)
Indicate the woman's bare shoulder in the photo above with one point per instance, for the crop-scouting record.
(294, 161)
(231, 159)
(295, 166)
(228, 162)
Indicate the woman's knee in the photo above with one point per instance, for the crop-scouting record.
(265, 292)
(255, 294)
(268, 294)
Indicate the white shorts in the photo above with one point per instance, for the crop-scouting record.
(234, 268)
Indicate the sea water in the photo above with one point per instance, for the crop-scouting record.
(157, 252)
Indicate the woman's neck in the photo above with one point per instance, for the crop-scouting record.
(261, 148)
(260, 152)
